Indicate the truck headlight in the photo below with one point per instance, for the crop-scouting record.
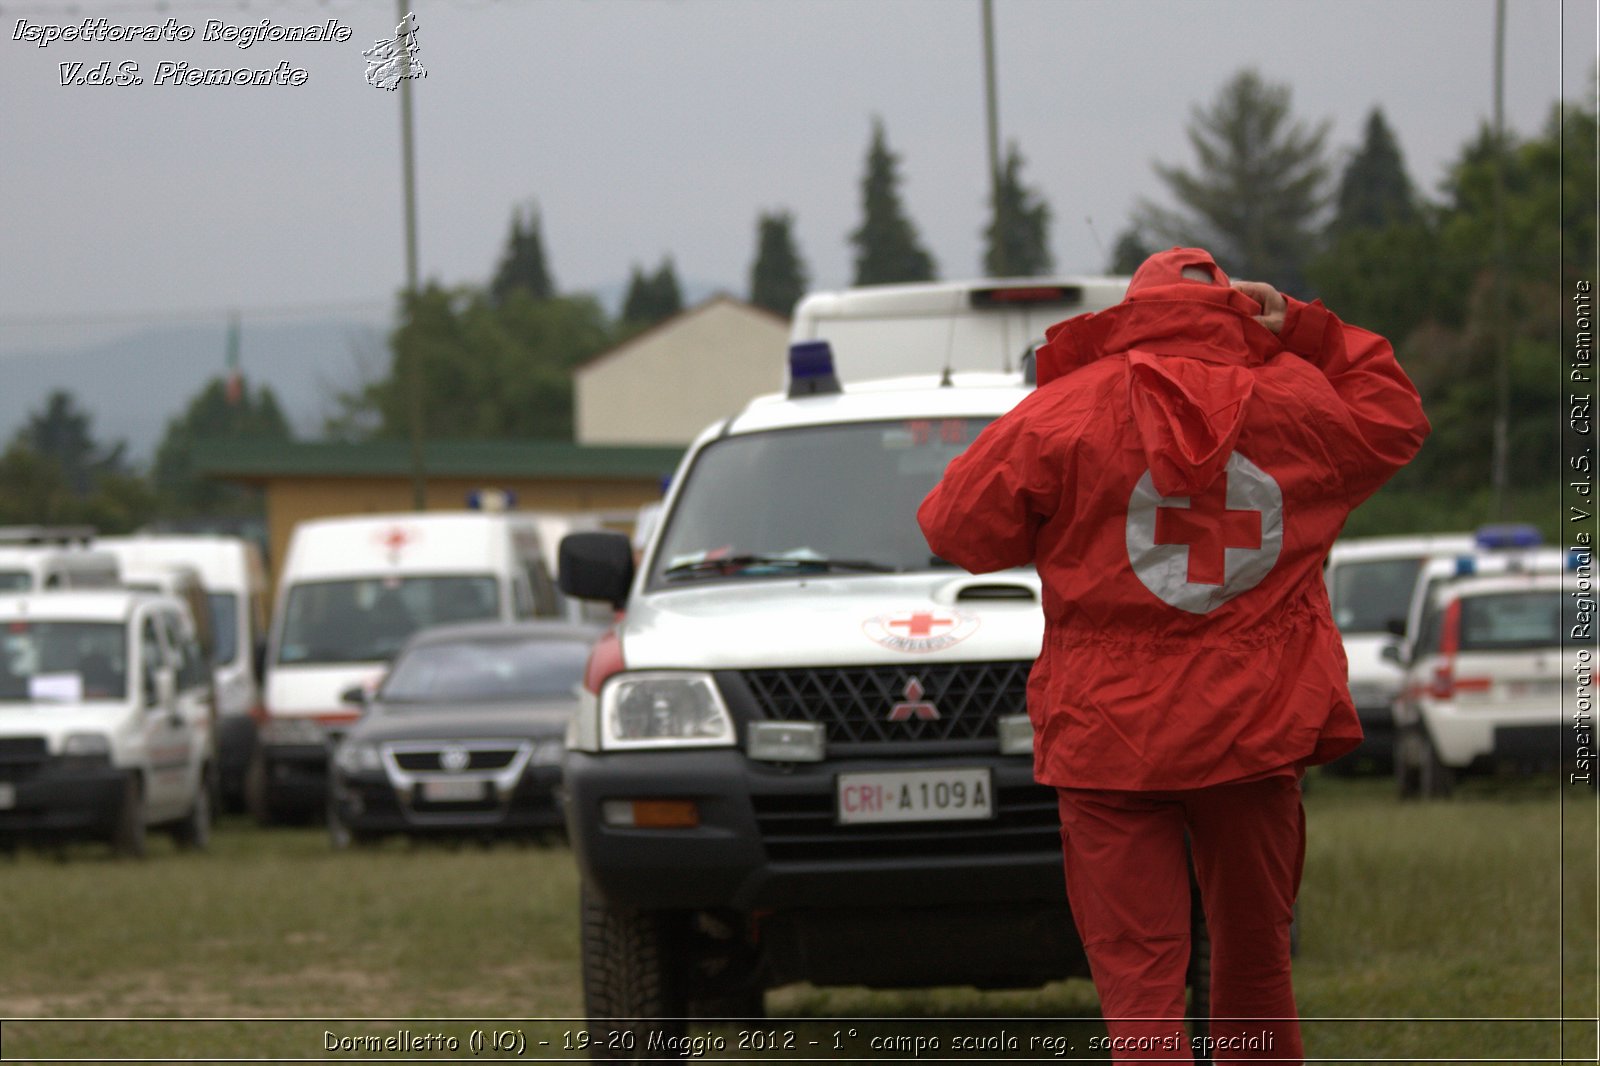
(664, 710)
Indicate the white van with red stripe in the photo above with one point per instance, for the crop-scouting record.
(350, 592)
(1492, 679)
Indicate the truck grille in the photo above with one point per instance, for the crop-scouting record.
(802, 828)
(856, 704)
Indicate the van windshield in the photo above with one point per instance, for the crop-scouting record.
(818, 499)
(367, 619)
(1368, 595)
(63, 662)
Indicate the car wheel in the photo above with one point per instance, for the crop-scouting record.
(1436, 780)
(128, 835)
(193, 833)
(1408, 762)
(632, 976)
(343, 838)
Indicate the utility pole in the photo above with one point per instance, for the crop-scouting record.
(1502, 357)
(413, 383)
(990, 95)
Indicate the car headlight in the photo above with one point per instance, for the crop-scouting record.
(358, 758)
(88, 747)
(663, 710)
(548, 752)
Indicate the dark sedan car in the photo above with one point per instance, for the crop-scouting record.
(464, 735)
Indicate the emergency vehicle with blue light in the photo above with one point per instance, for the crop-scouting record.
(1491, 679)
(803, 752)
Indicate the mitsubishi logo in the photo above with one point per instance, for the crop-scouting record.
(454, 759)
(913, 706)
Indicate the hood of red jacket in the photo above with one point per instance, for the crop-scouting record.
(1191, 347)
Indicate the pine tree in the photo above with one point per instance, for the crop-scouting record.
(1019, 228)
(1259, 189)
(61, 432)
(887, 248)
(652, 297)
(523, 264)
(778, 277)
(1374, 191)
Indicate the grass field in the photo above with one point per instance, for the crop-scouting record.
(1416, 920)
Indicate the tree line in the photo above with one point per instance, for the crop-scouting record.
(1263, 192)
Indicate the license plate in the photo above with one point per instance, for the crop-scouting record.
(8, 796)
(1537, 689)
(452, 791)
(915, 796)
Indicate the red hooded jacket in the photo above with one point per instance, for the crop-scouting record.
(1177, 478)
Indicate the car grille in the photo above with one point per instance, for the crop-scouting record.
(414, 760)
(854, 704)
(802, 828)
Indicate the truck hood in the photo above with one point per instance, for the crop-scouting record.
(836, 621)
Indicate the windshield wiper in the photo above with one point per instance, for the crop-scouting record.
(788, 563)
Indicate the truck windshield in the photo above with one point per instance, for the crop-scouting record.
(367, 619)
(818, 499)
(63, 662)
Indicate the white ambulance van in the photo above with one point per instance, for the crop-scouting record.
(233, 581)
(986, 325)
(350, 591)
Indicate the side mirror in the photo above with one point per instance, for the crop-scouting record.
(1395, 627)
(1393, 653)
(596, 566)
(355, 695)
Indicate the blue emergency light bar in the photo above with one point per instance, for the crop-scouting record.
(811, 371)
(1510, 535)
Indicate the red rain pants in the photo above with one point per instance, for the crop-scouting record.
(1128, 883)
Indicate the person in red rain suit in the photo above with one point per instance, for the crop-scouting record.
(1177, 478)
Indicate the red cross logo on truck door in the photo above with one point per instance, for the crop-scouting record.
(1198, 552)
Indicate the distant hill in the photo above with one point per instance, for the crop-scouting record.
(131, 386)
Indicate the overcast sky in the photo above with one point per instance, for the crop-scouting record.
(643, 128)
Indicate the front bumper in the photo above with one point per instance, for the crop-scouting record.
(370, 803)
(59, 798)
(295, 776)
(768, 837)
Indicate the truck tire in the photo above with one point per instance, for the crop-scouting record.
(632, 978)
(128, 834)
